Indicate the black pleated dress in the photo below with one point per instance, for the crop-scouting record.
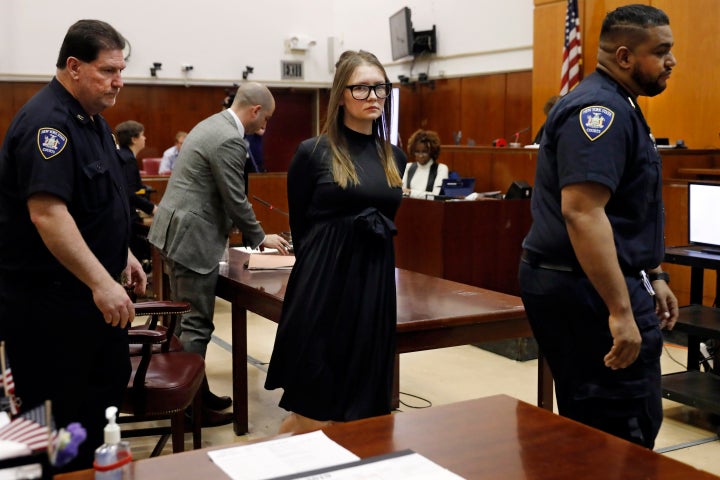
(335, 344)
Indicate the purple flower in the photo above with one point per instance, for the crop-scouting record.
(65, 444)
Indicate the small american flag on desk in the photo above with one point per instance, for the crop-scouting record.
(32, 428)
(9, 401)
(570, 72)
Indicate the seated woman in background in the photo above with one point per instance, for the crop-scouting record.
(424, 176)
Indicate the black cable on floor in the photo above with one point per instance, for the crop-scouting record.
(428, 402)
(703, 360)
(673, 358)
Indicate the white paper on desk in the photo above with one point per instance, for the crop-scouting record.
(255, 250)
(395, 466)
(284, 456)
(269, 261)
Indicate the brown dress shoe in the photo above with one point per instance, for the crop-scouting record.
(213, 418)
(210, 418)
(214, 402)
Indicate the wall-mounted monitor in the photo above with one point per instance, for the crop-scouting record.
(401, 34)
(404, 41)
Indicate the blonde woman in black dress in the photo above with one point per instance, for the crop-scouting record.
(335, 344)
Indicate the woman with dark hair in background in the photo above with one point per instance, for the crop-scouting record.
(130, 137)
(424, 177)
(335, 345)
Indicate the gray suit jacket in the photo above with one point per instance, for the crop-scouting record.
(205, 196)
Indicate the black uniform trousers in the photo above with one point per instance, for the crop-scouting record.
(570, 323)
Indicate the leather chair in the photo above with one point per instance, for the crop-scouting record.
(163, 383)
(151, 165)
(159, 322)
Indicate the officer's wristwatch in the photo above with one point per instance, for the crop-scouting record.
(659, 276)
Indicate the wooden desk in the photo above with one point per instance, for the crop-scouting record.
(496, 437)
(473, 242)
(157, 182)
(432, 313)
(694, 257)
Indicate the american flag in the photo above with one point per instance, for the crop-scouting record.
(9, 400)
(32, 428)
(570, 73)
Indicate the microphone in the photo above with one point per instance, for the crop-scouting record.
(270, 206)
(285, 235)
(517, 134)
(516, 138)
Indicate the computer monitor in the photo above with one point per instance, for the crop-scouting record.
(457, 187)
(703, 218)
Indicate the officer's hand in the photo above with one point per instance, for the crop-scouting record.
(666, 305)
(277, 242)
(626, 342)
(114, 303)
(135, 276)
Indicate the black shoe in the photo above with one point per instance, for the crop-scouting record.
(210, 418)
(213, 402)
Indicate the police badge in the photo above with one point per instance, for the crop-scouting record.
(50, 142)
(595, 121)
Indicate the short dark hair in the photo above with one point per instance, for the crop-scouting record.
(85, 39)
(128, 130)
(630, 22)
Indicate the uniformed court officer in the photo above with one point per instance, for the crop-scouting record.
(64, 231)
(590, 274)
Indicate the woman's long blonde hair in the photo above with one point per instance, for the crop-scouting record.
(342, 167)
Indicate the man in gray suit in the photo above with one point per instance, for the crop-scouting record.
(205, 198)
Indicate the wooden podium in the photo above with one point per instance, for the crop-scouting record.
(474, 242)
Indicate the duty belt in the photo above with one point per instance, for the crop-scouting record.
(538, 261)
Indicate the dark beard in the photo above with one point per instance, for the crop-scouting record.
(649, 86)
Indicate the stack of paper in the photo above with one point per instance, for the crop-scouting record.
(270, 261)
(314, 455)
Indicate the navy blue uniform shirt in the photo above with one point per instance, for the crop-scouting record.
(597, 133)
(53, 146)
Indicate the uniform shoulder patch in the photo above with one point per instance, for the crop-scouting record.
(595, 120)
(51, 142)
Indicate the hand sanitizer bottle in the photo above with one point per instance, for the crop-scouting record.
(112, 458)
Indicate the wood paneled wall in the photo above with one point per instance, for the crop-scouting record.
(164, 110)
(483, 108)
(687, 109)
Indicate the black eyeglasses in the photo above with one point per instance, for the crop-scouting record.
(362, 92)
